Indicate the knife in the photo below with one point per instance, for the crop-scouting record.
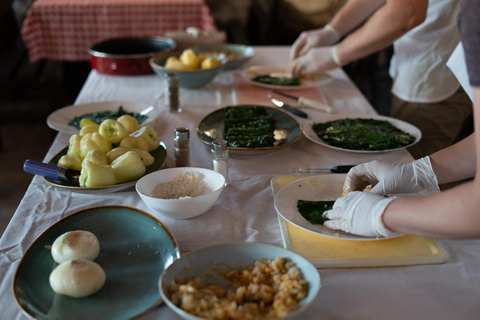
(282, 105)
(336, 169)
(308, 102)
(51, 171)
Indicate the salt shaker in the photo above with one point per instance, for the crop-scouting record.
(220, 158)
(172, 93)
(182, 147)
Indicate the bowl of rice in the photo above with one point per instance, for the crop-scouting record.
(244, 280)
(180, 193)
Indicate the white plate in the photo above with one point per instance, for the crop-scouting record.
(59, 119)
(402, 125)
(324, 187)
(254, 71)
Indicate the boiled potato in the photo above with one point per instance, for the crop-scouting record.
(202, 56)
(170, 61)
(173, 63)
(210, 63)
(189, 58)
(178, 66)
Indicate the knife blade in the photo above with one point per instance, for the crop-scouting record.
(336, 169)
(308, 102)
(282, 105)
(51, 171)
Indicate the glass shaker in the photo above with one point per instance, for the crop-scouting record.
(173, 98)
(182, 147)
(220, 158)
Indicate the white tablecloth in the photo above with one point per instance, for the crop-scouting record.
(245, 211)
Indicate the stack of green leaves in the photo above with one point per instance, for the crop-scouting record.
(313, 211)
(249, 127)
(277, 81)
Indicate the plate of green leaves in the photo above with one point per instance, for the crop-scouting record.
(362, 133)
(303, 202)
(250, 128)
(68, 119)
(280, 78)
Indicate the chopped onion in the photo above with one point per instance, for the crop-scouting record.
(75, 245)
(77, 278)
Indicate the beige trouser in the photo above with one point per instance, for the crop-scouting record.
(442, 123)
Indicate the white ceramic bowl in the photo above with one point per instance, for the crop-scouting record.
(180, 208)
(211, 263)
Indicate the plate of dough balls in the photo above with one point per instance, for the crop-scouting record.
(94, 264)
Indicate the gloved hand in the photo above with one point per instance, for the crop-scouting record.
(325, 36)
(317, 60)
(391, 178)
(359, 213)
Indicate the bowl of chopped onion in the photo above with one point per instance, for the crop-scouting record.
(243, 280)
(180, 193)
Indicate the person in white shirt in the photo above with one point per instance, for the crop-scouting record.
(425, 93)
(450, 214)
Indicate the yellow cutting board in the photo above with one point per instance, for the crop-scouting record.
(327, 252)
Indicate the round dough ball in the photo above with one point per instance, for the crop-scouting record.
(77, 278)
(77, 244)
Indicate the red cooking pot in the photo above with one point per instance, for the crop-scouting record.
(127, 56)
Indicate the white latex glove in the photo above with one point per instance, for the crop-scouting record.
(359, 213)
(391, 178)
(325, 36)
(316, 61)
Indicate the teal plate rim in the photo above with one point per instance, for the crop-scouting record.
(285, 123)
(137, 252)
(160, 155)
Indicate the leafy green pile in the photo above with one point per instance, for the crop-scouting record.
(278, 81)
(99, 117)
(249, 127)
(312, 210)
(362, 134)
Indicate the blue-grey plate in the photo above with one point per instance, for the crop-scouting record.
(159, 154)
(287, 130)
(135, 248)
(211, 264)
(187, 79)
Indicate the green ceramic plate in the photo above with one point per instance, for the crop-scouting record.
(135, 248)
(287, 130)
(160, 155)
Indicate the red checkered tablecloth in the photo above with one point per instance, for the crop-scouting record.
(64, 29)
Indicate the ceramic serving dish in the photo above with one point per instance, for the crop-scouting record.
(135, 248)
(287, 130)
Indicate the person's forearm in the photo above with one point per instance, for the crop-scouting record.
(452, 214)
(459, 161)
(353, 14)
(455, 163)
(388, 23)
